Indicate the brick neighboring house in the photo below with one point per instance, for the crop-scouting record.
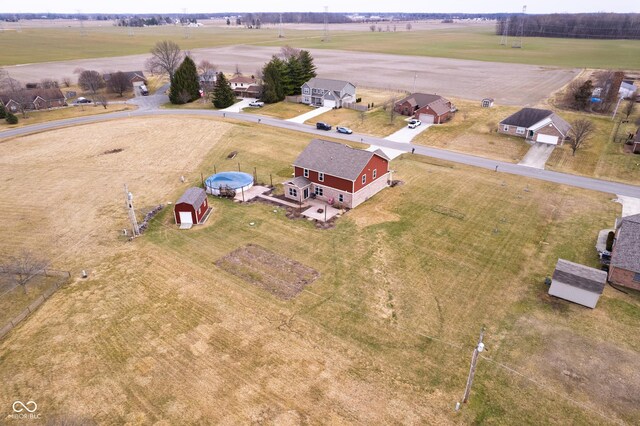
(32, 99)
(428, 108)
(245, 87)
(325, 92)
(624, 269)
(537, 125)
(337, 174)
(132, 76)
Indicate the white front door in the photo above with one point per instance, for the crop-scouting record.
(185, 217)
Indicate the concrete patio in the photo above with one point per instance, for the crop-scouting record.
(327, 214)
(251, 193)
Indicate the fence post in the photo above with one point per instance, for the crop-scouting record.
(271, 179)
(238, 166)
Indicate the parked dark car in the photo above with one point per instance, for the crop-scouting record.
(323, 126)
(82, 100)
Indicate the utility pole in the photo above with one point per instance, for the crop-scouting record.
(472, 371)
(280, 29)
(504, 40)
(187, 33)
(518, 43)
(128, 198)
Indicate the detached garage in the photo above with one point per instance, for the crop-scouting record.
(577, 283)
(192, 208)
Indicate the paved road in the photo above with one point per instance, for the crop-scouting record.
(441, 154)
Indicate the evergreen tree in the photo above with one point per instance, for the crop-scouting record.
(11, 118)
(185, 86)
(223, 95)
(3, 112)
(295, 80)
(583, 95)
(273, 77)
(306, 63)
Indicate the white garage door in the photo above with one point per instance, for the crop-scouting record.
(185, 217)
(547, 139)
(329, 104)
(426, 118)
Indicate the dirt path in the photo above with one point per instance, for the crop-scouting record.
(508, 84)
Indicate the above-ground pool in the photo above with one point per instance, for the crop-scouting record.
(237, 181)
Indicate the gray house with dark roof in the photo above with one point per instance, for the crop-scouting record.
(325, 92)
(577, 283)
(624, 269)
(536, 125)
(338, 174)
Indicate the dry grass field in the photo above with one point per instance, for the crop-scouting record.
(35, 117)
(158, 333)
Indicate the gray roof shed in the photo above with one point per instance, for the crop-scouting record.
(580, 276)
(193, 196)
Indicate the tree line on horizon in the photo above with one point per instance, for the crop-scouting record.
(581, 25)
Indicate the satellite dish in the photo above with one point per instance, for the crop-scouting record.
(480, 347)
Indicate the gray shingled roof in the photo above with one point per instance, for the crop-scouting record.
(580, 276)
(327, 83)
(299, 181)
(128, 74)
(527, 117)
(335, 159)
(626, 251)
(193, 196)
(561, 124)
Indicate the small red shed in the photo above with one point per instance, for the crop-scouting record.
(192, 208)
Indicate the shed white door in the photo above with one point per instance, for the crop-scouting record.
(329, 104)
(550, 139)
(426, 118)
(185, 217)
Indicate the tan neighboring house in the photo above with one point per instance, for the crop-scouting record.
(428, 108)
(624, 268)
(536, 125)
(245, 87)
(32, 99)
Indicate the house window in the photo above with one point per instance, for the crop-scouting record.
(319, 191)
(341, 198)
(306, 173)
(293, 192)
(375, 173)
(305, 90)
(636, 277)
(505, 128)
(520, 130)
(321, 177)
(364, 179)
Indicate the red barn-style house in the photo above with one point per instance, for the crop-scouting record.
(192, 208)
(338, 174)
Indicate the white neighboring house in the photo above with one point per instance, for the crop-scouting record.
(324, 92)
(577, 283)
(627, 90)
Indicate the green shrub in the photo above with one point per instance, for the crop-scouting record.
(11, 118)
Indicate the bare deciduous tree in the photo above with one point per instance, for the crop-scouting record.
(629, 107)
(237, 72)
(581, 131)
(204, 66)
(24, 266)
(166, 57)
(101, 99)
(48, 83)
(372, 27)
(91, 81)
(288, 52)
(66, 81)
(119, 83)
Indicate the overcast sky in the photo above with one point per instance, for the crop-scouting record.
(192, 6)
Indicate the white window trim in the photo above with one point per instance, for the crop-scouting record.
(505, 128)
(364, 179)
(293, 192)
(305, 172)
(374, 174)
(319, 191)
(320, 176)
(520, 130)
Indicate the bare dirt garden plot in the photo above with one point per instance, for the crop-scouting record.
(280, 276)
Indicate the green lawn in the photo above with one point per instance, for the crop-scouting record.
(283, 110)
(478, 43)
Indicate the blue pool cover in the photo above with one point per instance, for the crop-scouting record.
(233, 180)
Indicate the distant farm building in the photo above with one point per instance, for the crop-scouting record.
(428, 108)
(577, 283)
(536, 125)
(192, 208)
(337, 174)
